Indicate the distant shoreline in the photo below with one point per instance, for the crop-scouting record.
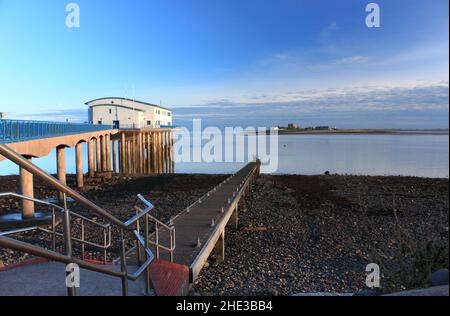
(364, 132)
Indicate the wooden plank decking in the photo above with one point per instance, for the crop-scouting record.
(201, 226)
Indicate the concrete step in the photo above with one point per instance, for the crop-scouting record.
(48, 279)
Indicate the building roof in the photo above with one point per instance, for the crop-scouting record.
(117, 105)
(126, 99)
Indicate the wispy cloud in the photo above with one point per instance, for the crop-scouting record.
(70, 115)
(342, 62)
(374, 106)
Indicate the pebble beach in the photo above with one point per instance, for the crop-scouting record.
(296, 234)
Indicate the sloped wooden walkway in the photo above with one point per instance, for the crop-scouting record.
(201, 227)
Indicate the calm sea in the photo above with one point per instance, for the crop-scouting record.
(407, 155)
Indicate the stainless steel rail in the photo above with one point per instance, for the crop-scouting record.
(128, 225)
(54, 223)
(158, 226)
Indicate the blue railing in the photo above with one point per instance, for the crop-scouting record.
(144, 127)
(17, 131)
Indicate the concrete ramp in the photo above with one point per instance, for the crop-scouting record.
(48, 279)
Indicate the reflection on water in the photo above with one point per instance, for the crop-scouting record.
(410, 155)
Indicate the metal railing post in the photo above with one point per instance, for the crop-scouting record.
(71, 291)
(82, 240)
(138, 245)
(53, 229)
(147, 271)
(105, 245)
(157, 239)
(123, 264)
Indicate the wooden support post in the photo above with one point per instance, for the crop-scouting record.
(162, 149)
(157, 152)
(172, 152)
(27, 189)
(131, 155)
(79, 165)
(91, 158)
(134, 148)
(234, 218)
(121, 153)
(129, 162)
(149, 154)
(166, 152)
(161, 153)
(220, 246)
(169, 160)
(140, 153)
(153, 153)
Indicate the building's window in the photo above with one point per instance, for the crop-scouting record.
(169, 114)
(99, 122)
(149, 122)
(110, 111)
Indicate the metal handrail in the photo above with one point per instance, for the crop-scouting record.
(24, 197)
(158, 223)
(54, 233)
(10, 154)
(52, 255)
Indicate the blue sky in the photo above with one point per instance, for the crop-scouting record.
(246, 62)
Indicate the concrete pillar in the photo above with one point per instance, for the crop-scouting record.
(26, 186)
(103, 155)
(98, 156)
(79, 164)
(61, 167)
(114, 155)
(108, 152)
(91, 158)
